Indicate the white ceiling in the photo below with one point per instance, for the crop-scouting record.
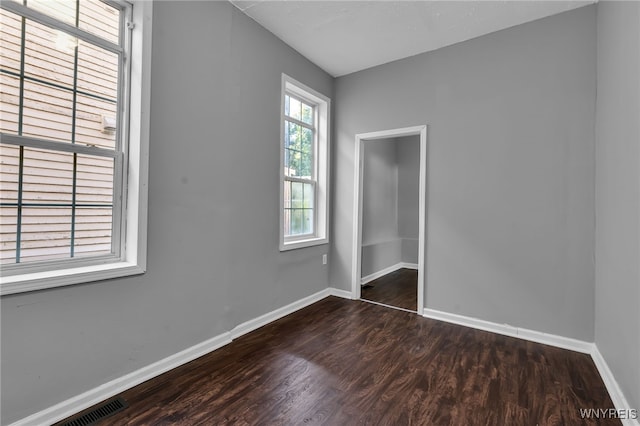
(348, 36)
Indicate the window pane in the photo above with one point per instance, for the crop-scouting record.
(94, 180)
(9, 103)
(10, 163)
(299, 110)
(295, 109)
(287, 194)
(47, 177)
(49, 54)
(287, 222)
(299, 138)
(308, 200)
(9, 159)
(306, 140)
(97, 71)
(94, 186)
(305, 165)
(64, 10)
(298, 150)
(92, 231)
(296, 222)
(290, 137)
(10, 33)
(93, 116)
(290, 134)
(292, 158)
(287, 159)
(307, 113)
(296, 195)
(47, 230)
(95, 16)
(47, 112)
(46, 233)
(299, 199)
(308, 195)
(307, 221)
(100, 19)
(8, 228)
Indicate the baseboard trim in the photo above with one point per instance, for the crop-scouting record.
(508, 330)
(249, 326)
(616, 394)
(618, 398)
(387, 270)
(87, 399)
(407, 265)
(341, 293)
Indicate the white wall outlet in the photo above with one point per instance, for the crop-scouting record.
(324, 259)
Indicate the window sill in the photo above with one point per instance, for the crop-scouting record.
(309, 242)
(64, 277)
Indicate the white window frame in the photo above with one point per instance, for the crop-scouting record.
(322, 112)
(132, 258)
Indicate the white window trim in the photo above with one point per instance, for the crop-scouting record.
(133, 259)
(323, 106)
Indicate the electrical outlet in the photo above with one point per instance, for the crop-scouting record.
(324, 259)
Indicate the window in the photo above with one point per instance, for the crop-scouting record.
(304, 166)
(74, 137)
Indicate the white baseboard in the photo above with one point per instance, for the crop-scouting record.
(387, 270)
(96, 395)
(407, 265)
(85, 400)
(508, 330)
(341, 293)
(618, 398)
(267, 318)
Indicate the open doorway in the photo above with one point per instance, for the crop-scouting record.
(390, 218)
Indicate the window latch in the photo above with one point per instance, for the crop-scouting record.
(131, 25)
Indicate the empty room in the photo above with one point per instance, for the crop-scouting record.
(319, 212)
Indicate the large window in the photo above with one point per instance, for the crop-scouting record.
(73, 141)
(304, 168)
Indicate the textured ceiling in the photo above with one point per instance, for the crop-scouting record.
(348, 36)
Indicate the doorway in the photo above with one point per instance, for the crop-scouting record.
(391, 283)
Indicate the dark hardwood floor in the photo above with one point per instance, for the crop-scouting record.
(398, 288)
(345, 362)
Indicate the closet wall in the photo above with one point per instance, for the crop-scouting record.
(390, 203)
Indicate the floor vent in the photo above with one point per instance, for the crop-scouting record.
(100, 412)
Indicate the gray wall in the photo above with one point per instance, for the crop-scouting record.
(617, 320)
(213, 258)
(379, 192)
(381, 246)
(390, 203)
(510, 170)
(408, 159)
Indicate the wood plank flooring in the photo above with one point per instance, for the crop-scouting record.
(398, 288)
(345, 362)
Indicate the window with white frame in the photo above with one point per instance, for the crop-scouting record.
(304, 166)
(74, 137)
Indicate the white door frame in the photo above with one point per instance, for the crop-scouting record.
(361, 138)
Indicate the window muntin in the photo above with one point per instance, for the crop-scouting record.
(304, 166)
(63, 138)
